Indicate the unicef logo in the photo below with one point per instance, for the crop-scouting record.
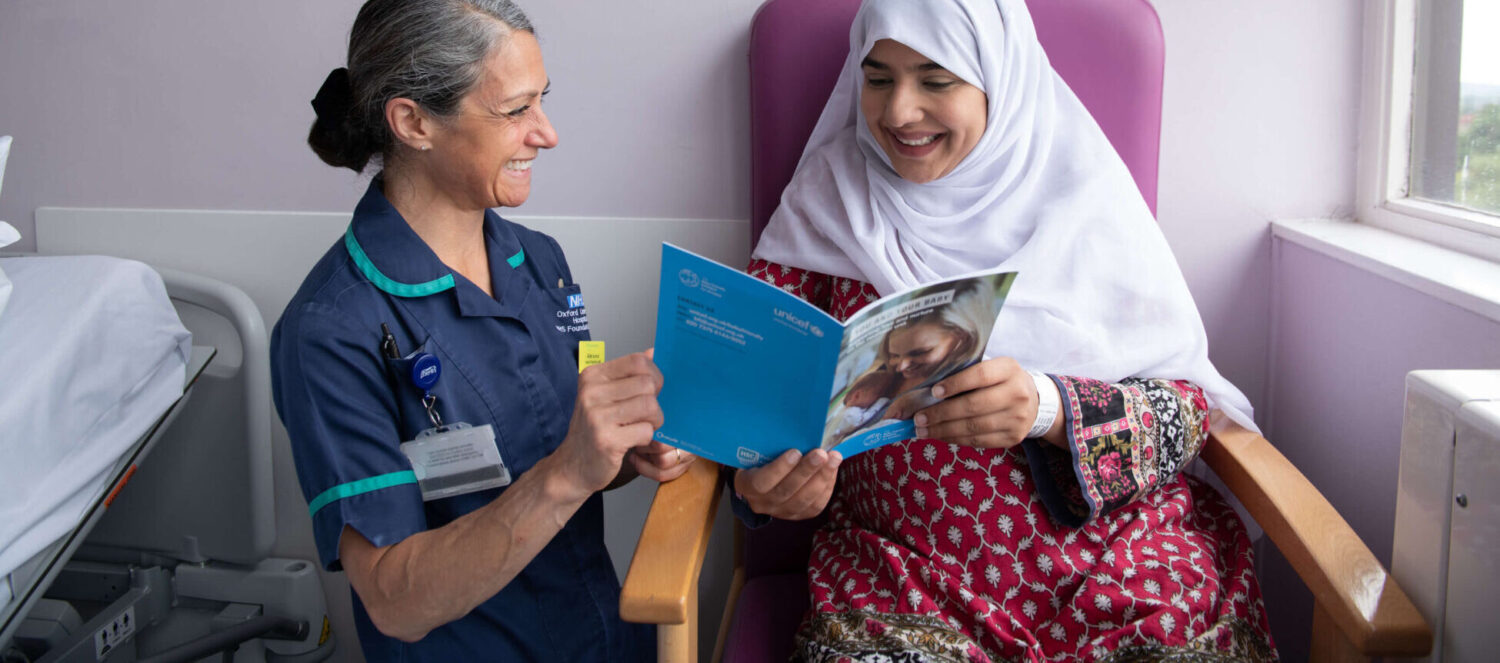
(688, 277)
(816, 331)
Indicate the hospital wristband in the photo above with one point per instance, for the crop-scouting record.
(1047, 406)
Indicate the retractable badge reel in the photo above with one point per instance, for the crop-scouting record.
(450, 459)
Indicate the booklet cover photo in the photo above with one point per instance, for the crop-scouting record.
(752, 371)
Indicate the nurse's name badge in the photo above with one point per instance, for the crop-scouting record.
(454, 459)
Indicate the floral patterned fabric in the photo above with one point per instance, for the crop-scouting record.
(1125, 438)
(1101, 552)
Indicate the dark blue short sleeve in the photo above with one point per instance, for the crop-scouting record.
(336, 398)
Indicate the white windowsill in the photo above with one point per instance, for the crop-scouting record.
(1457, 278)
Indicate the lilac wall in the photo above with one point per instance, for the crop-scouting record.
(1258, 124)
(1343, 342)
(204, 105)
(166, 104)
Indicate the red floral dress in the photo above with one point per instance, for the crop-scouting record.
(1102, 552)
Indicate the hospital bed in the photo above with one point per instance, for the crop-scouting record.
(136, 505)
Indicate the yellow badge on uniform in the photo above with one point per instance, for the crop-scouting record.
(590, 353)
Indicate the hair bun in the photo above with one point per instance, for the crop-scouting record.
(337, 135)
(335, 97)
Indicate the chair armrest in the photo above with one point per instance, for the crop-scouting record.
(663, 574)
(1375, 616)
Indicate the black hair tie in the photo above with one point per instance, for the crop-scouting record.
(335, 97)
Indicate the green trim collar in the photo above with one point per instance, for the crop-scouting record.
(386, 283)
(360, 487)
(516, 260)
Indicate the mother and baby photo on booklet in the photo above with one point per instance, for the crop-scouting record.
(752, 371)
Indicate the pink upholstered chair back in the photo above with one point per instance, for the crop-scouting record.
(1108, 51)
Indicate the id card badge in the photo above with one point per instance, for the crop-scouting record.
(457, 459)
(590, 353)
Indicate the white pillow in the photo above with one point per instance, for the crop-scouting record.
(7, 236)
(4, 152)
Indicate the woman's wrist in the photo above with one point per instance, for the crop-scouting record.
(1049, 406)
(1058, 434)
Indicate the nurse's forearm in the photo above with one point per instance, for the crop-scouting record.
(435, 577)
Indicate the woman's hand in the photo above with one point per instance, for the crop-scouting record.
(989, 405)
(792, 487)
(661, 462)
(616, 411)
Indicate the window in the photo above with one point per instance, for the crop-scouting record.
(1430, 144)
(1455, 150)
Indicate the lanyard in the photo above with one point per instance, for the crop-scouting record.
(424, 373)
(451, 460)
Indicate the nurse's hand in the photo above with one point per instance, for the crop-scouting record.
(616, 412)
(989, 405)
(792, 487)
(662, 462)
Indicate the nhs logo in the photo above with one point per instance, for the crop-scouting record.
(748, 456)
(575, 301)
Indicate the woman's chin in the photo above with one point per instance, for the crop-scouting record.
(512, 195)
(915, 173)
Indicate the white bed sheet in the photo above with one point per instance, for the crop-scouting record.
(91, 354)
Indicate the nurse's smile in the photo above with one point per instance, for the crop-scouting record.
(518, 167)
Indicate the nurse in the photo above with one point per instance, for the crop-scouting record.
(427, 370)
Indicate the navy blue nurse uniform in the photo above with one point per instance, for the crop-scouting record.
(508, 361)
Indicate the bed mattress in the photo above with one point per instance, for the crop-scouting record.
(91, 354)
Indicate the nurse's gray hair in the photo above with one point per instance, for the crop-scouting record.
(429, 51)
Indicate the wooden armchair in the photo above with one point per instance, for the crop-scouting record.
(1361, 612)
(1111, 54)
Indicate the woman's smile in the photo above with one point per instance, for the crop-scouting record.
(915, 145)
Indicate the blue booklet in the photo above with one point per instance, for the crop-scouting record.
(752, 371)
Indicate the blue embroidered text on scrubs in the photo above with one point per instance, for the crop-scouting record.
(508, 361)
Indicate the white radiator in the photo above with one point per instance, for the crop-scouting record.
(1447, 545)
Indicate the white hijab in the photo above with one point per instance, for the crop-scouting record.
(1043, 193)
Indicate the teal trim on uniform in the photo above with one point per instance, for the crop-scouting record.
(384, 282)
(359, 488)
(516, 260)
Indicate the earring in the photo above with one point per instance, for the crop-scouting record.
(426, 148)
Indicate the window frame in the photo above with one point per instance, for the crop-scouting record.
(1386, 130)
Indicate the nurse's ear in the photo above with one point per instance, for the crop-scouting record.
(410, 124)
